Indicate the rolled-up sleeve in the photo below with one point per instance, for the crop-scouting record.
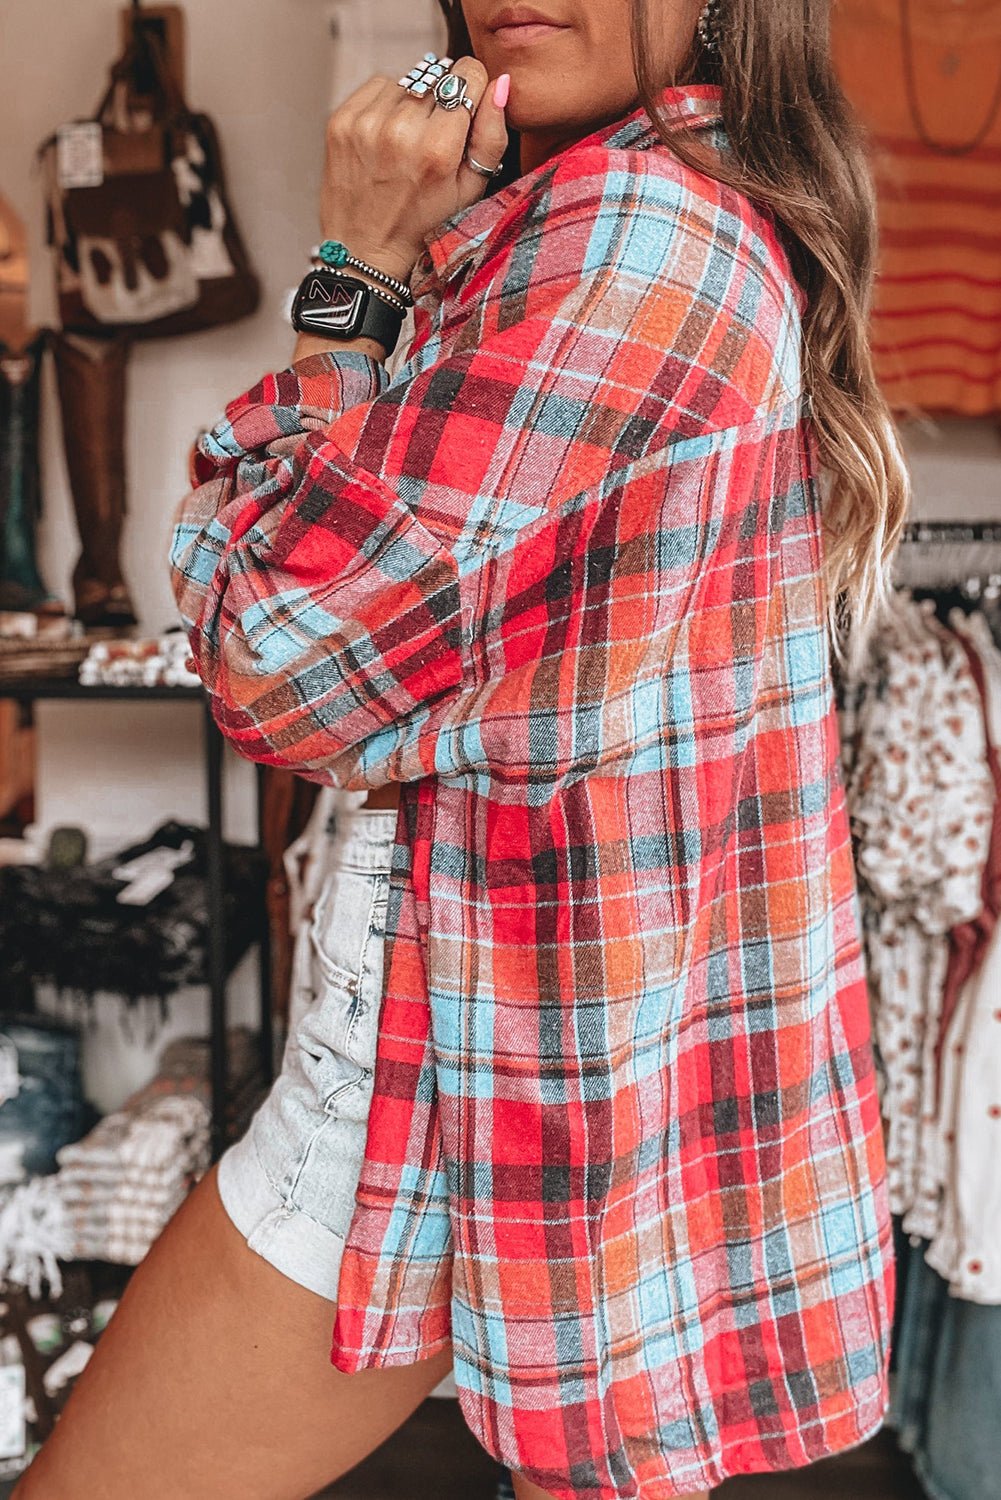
(337, 561)
(321, 613)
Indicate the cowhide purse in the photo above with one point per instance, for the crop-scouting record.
(147, 242)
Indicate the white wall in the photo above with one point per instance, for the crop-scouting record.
(956, 467)
(267, 70)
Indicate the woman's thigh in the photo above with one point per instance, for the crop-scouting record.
(213, 1382)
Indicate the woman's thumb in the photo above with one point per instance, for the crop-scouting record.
(488, 137)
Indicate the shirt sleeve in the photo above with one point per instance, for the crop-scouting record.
(338, 561)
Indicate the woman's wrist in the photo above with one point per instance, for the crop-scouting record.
(308, 344)
(394, 261)
(391, 265)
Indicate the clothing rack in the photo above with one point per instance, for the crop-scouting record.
(961, 560)
(951, 533)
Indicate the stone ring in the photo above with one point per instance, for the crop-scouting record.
(421, 80)
(451, 92)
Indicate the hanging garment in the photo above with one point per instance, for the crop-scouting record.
(969, 944)
(922, 804)
(68, 926)
(947, 1392)
(925, 76)
(967, 1247)
(41, 1094)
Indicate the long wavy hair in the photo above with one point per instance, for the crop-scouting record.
(797, 150)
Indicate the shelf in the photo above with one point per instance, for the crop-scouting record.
(226, 943)
(35, 688)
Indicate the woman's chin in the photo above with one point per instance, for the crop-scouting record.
(531, 108)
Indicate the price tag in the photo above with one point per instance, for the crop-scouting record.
(10, 1076)
(80, 155)
(13, 1435)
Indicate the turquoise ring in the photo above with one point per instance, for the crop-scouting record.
(451, 91)
(421, 81)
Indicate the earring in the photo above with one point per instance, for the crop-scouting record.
(710, 27)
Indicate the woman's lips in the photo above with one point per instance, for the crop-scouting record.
(527, 32)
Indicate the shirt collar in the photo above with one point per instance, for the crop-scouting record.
(453, 244)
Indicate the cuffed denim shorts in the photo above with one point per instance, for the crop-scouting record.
(289, 1185)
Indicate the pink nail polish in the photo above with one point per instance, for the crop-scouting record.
(502, 90)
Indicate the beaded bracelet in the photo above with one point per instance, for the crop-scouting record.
(337, 257)
(390, 298)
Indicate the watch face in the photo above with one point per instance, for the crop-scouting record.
(332, 305)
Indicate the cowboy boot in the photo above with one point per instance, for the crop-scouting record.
(21, 586)
(91, 378)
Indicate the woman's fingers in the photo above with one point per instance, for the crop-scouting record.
(364, 97)
(449, 129)
(397, 166)
(488, 138)
(392, 122)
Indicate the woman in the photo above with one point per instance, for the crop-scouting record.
(562, 580)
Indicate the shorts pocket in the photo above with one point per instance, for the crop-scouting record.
(342, 925)
(336, 1040)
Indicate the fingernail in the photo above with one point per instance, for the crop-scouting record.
(502, 90)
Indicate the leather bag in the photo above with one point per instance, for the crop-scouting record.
(153, 249)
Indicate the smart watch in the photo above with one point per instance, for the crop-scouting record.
(334, 306)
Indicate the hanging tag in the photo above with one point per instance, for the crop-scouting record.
(13, 1433)
(80, 154)
(10, 1073)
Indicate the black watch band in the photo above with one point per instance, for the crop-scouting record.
(333, 306)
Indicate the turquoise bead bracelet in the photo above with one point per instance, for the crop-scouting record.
(338, 257)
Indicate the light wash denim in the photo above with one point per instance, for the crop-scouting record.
(46, 1110)
(289, 1185)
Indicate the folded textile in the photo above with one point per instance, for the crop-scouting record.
(123, 1182)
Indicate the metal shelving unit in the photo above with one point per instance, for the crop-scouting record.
(218, 962)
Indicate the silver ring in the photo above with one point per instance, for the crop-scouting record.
(468, 105)
(450, 91)
(483, 171)
(420, 81)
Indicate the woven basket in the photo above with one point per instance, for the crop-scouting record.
(21, 660)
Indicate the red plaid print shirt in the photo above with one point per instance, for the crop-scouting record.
(561, 577)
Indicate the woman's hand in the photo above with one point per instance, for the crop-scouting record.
(396, 166)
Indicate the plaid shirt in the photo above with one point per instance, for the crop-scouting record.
(561, 576)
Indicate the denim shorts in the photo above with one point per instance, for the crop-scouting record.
(289, 1184)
